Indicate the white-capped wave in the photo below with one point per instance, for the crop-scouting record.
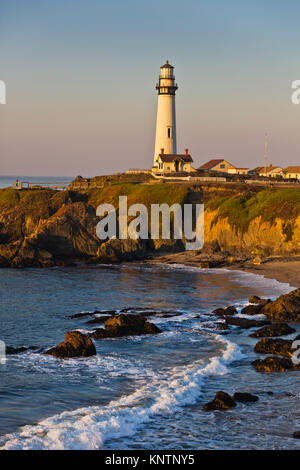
(91, 427)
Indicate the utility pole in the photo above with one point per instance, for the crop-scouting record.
(266, 152)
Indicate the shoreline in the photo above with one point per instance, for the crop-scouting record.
(282, 269)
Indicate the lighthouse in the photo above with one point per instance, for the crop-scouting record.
(166, 159)
(166, 118)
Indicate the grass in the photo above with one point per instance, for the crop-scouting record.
(139, 194)
(268, 204)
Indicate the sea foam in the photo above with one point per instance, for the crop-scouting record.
(91, 427)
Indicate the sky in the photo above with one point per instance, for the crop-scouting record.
(81, 75)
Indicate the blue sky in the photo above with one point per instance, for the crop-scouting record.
(81, 80)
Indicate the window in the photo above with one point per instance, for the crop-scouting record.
(222, 165)
(169, 132)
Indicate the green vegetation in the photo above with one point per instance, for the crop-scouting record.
(269, 204)
(146, 194)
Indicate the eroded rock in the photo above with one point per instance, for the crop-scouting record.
(286, 307)
(276, 329)
(274, 364)
(245, 322)
(245, 397)
(231, 310)
(282, 347)
(222, 401)
(125, 325)
(76, 344)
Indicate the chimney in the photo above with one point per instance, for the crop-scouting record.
(186, 151)
(162, 151)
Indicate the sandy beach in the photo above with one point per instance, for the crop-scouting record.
(283, 269)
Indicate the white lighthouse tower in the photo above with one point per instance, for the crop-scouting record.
(166, 119)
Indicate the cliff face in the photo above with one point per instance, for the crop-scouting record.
(261, 237)
(45, 227)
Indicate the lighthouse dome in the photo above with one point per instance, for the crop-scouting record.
(167, 65)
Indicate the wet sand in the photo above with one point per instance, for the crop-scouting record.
(285, 269)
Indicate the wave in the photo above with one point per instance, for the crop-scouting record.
(91, 427)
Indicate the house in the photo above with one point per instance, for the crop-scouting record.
(223, 166)
(173, 163)
(292, 172)
(270, 171)
(238, 171)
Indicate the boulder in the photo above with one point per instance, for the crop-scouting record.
(282, 347)
(245, 322)
(245, 397)
(285, 308)
(76, 344)
(125, 325)
(12, 350)
(276, 329)
(222, 326)
(222, 401)
(254, 299)
(97, 320)
(274, 364)
(252, 310)
(225, 311)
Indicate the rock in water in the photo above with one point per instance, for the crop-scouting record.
(286, 307)
(76, 344)
(252, 310)
(231, 310)
(276, 329)
(245, 322)
(222, 401)
(245, 397)
(274, 364)
(254, 299)
(125, 325)
(11, 350)
(282, 347)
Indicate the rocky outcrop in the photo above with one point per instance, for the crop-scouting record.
(254, 299)
(76, 344)
(222, 401)
(252, 310)
(282, 347)
(245, 397)
(12, 350)
(285, 308)
(98, 320)
(125, 325)
(274, 364)
(276, 329)
(43, 227)
(245, 322)
(220, 312)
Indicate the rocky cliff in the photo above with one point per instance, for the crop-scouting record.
(40, 227)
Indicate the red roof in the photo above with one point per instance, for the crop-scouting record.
(210, 164)
(168, 158)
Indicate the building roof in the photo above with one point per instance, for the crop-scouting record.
(211, 164)
(168, 158)
(167, 65)
(270, 168)
(292, 169)
(257, 169)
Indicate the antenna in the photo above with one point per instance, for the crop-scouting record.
(266, 152)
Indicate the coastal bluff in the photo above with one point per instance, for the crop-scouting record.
(44, 227)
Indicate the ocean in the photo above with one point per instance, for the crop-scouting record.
(143, 392)
(7, 181)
